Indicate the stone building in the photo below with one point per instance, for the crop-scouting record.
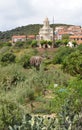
(46, 32)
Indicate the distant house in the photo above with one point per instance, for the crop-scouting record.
(31, 37)
(77, 38)
(71, 30)
(60, 35)
(16, 38)
(22, 38)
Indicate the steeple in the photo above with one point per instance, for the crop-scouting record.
(46, 32)
(46, 22)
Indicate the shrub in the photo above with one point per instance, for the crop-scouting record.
(49, 42)
(34, 43)
(79, 47)
(61, 54)
(19, 44)
(58, 43)
(10, 114)
(73, 64)
(42, 42)
(65, 42)
(11, 75)
(74, 43)
(28, 42)
(25, 61)
(8, 58)
(4, 50)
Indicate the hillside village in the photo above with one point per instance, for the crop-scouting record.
(57, 33)
(47, 33)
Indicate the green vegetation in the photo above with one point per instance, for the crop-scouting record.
(8, 58)
(61, 54)
(49, 98)
(73, 63)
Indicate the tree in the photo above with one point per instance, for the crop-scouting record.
(43, 42)
(61, 54)
(19, 44)
(49, 42)
(79, 47)
(25, 61)
(65, 41)
(34, 43)
(65, 37)
(73, 63)
(59, 43)
(74, 43)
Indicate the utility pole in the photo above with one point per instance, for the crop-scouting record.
(53, 34)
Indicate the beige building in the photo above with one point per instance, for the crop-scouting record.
(18, 38)
(77, 38)
(46, 32)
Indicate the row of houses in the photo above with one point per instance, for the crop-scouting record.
(74, 32)
(48, 33)
(17, 38)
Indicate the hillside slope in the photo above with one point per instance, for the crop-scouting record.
(24, 30)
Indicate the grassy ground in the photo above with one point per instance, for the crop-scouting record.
(32, 89)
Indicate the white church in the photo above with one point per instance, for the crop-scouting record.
(46, 32)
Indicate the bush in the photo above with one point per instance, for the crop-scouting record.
(34, 43)
(19, 44)
(73, 64)
(4, 50)
(10, 114)
(8, 58)
(25, 61)
(49, 42)
(43, 42)
(74, 43)
(61, 54)
(11, 75)
(79, 47)
(58, 43)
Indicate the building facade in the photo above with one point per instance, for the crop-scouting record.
(46, 32)
(77, 38)
(22, 38)
(70, 30)
(18, 38)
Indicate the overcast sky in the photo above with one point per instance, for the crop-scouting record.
(15, 13)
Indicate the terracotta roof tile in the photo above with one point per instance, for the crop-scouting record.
(19, 36)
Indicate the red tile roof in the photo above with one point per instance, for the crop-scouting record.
(62, 33)
(19, 36)
(31, 36)
(76, 36)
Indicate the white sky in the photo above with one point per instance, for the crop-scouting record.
(15, 13)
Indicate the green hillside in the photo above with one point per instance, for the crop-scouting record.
(24, 30)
